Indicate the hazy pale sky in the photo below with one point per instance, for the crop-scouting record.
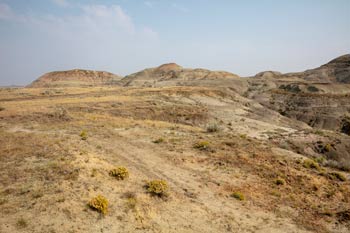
(125, 36)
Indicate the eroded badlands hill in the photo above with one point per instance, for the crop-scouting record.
(75, 78)
(174, 75)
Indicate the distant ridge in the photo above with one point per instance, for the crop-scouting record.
(172, 74)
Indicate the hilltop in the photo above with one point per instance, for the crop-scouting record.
(75, 78)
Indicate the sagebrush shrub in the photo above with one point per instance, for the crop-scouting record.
(308, 163)
(238, 196)
(159, 140)
(157, 187)
(280, 181)
(212, 128)
(83, 135)
(203, 145)
(120, 173)
(99, 203)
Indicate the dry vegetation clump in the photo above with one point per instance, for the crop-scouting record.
(336, 176)
(83, 135)
(308, 163)
(159, 140)
(99, 203)
(131, 200)
(341, 164)
(60, 114)
(2, 108)
(203, 145)
(327, 148)
(280, 181)
(212, 128)
(120, 173)
(238, 195)
(157, 187)
(21, 223)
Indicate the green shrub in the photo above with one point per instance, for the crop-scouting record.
(308, 163)
(99, 203)
(280, 181)
(120, 173)
(203, 145)
(83, 135)
(157, 187)
(238, 196)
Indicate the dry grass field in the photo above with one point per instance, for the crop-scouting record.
(225, 160)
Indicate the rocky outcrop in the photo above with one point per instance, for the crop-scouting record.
(319, 97)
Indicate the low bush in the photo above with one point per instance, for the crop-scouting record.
(238, 196)
(157, 187)
(327, 148)
(2, 108)
(159, 140)
(120, 173)
(21, 223)
(308, 163)
(212, 128)
(280, 181)
(336, 176)
(99, 203)
(203, 145)
(83, 135)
